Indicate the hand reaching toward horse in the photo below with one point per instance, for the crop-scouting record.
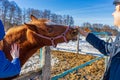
(83, 32)
(14, 51)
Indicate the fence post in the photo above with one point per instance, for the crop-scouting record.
(78, 36)
(46, 70)
(42, 58)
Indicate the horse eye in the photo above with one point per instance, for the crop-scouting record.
(74, 32)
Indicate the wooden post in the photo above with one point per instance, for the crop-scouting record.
(46, 70)
(42, 58)
(78, 43)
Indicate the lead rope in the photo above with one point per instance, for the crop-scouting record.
(107, 59)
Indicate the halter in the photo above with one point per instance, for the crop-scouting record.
(53, 38)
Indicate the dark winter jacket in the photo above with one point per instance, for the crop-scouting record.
(113, 72)
(2, 32)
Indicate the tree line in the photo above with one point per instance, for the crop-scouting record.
(11, 14)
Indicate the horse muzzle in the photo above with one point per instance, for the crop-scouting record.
(74, 34)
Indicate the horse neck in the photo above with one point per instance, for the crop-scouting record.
(27, 49)
(31, 45)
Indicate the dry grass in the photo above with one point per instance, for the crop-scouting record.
(69, 60)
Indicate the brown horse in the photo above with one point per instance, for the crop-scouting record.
(34, 35)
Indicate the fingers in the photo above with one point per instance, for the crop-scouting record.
(15, 50)
(14, 47)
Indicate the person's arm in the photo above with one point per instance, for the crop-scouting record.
(10, 69)
(7, 68)
(2, 31)
(99, 44)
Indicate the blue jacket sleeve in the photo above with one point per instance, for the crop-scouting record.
(98, 43)
(7, 68)
(2, 32)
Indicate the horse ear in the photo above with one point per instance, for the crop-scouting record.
(33, 18)
(27, 24)
(31, 26)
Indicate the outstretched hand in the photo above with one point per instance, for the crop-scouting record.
(14, 51)
(83, 32)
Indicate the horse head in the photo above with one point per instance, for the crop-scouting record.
(50, 33)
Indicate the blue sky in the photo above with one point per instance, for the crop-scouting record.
(93, 11)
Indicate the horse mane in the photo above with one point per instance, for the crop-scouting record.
(15, 32)
(14, 29)
(19, 30)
